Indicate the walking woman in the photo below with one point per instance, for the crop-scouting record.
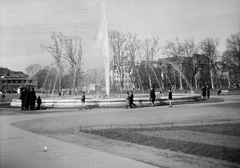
(152, 95)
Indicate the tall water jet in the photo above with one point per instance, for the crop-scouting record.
(104, 44)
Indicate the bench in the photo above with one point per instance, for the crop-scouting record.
(224, 92)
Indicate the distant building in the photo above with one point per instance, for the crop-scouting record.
(11, 81)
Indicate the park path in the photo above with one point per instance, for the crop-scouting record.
(22, 149)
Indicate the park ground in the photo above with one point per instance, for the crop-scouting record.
(188, 135)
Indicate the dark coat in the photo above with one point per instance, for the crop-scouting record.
(131, 99)
(83, 98)
(27, 99)
(23, 94)
(204, 92)
(32, 97)
(152, 95)
(39, 101)
(170, 94)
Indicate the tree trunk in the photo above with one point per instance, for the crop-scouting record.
(196, 84)
(211, 75)
(229, 82)
(180, 81)
(74, 81)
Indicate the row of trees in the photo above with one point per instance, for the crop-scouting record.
(187, 63)
(127, 50)
(67, 68)
(198, 64)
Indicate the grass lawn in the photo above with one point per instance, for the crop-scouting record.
(152, 137)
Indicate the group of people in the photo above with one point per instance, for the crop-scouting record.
(28, 99)
(129, 99)
(206, 91)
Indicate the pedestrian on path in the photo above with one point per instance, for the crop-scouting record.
(170, 97)
(39, 102)
(204, 92)
(83, 105)
(131, 100)
(208, 91)
(152, 95)
(128, 104)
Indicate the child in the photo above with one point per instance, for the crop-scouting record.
(39, 102)
(128, 100)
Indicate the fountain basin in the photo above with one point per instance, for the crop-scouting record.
(111, 102)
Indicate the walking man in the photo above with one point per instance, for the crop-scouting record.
(83, 101)
(170, 97)
(152, 95)
(208, 91)
(131, 99)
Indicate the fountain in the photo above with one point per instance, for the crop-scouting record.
(103, 43)
(140, 99)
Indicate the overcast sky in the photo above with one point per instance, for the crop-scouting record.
(25, 25)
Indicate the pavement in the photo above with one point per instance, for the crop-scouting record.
(23, 149)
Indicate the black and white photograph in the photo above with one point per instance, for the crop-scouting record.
(119, 84)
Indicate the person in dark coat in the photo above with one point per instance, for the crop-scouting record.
(39, 102)
(83, 99)
(152, 95)
(128, 100)
(27, 99)
(22, 97)
(32, 99)
(204, 91)
(131, 99)
(208, 91)
(170, 97)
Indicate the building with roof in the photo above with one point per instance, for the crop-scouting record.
(11, 81)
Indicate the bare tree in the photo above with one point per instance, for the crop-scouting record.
(233, 51)
(32, 71)
(117, 42)
(176, 51)
(56, 49)
(222, 67)
(209, 49)
(73, 55)
(148, 50)
(190, 50)
(132, 47)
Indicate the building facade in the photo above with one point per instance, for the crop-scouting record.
(11, 81)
